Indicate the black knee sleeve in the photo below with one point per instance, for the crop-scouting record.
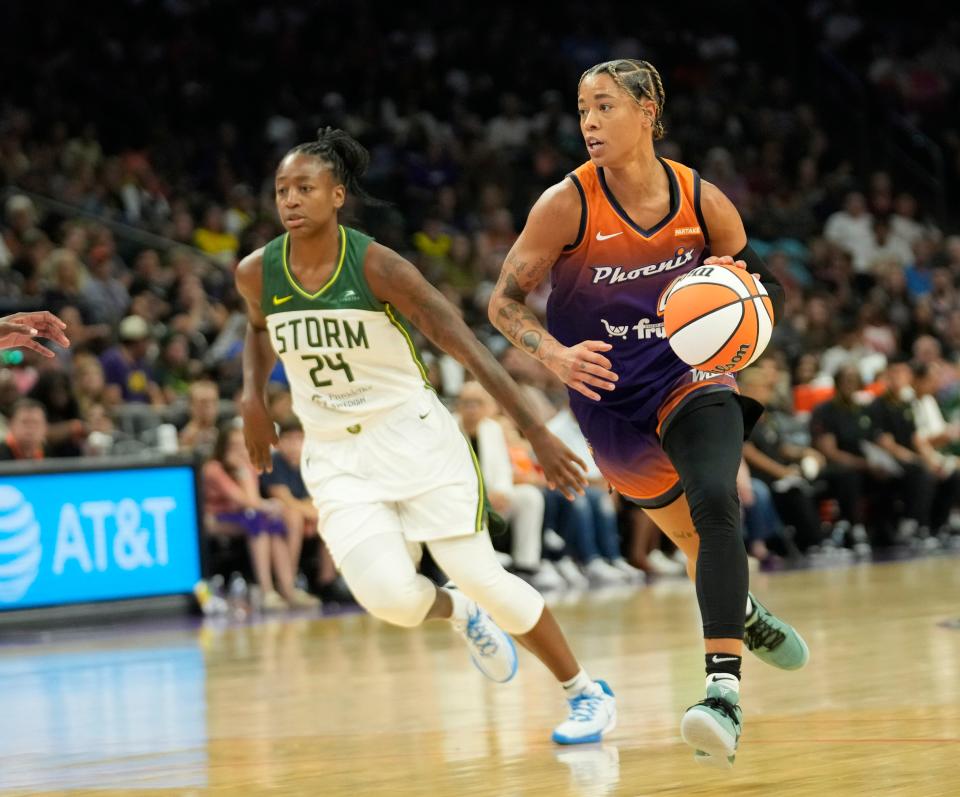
(705, 443)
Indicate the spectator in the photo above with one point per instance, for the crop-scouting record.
(761, 523)
(840, 430)
(232, 504)
(520, 504)
(200, 433)
(65, 429)
(175, 370)
(930, 485)
(214, 239)
(126, 368)
(285, 484)
(589, 522)
(27, 432)
(852, 230)
(786, 469)
(104, 294)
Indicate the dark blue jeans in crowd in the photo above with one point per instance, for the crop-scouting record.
(588, 524)
(761, 521)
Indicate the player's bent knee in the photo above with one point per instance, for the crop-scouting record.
(512, 603)
(714, 503)
(399, 603)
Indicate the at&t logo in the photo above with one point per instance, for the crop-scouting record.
(20, 549)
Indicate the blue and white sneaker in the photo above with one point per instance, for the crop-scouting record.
(592, 714)
(491, 649)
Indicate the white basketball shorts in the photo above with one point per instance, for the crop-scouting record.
(412, 472)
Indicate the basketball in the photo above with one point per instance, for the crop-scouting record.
(717, 318)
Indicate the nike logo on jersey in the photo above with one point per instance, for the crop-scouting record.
(602, 237)
(719, 660)
(278, 301)
(424, 415)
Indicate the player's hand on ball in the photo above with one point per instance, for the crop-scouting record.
(583, 367)
(564, 470)
(259, 433)
(726, 260)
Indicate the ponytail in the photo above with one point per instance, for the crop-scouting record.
(348, 159)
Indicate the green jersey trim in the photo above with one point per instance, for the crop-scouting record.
(406, 336)
(284, 247)
(478, 525)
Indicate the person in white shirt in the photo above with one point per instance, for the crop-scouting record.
(852, 230)
(590, 520)
(520, 504)
(934, 436)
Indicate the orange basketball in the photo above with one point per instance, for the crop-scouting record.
(717, 318)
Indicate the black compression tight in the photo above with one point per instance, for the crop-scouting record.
(705, 442)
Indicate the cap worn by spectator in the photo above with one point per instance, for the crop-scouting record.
(133, 328)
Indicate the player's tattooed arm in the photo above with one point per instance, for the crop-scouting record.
(397, 282)
(554, 222)
(508, 310)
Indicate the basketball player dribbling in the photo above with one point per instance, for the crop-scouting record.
(613, 236)
(383, 459)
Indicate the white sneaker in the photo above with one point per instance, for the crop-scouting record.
(663, 565)
(554, 542)
(634, 574)
(571, 573)
(592, 714)
(602, 574)
(594, 768)
(491, 649)
(505, 559)
(547, 577)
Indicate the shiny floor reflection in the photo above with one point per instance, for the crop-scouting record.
(348, 706)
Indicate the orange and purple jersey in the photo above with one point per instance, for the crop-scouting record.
(607, 286)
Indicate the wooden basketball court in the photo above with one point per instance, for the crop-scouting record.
(348, 706)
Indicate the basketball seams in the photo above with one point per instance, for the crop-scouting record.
(716, 348)
(689, 321)
(730, 352)
(723, 345)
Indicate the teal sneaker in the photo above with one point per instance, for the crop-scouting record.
(712, 726)
(774, 641)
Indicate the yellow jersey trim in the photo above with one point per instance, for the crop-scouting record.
(406, 336)
(336, 273)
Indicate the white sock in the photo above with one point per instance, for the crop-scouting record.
(725, 679)
(461, 605)
(578, 684)
(749, 607)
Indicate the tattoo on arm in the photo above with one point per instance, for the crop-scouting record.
(514, 319)
(531, 341)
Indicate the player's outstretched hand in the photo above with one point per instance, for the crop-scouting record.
(259, 434)
(18, 331)
(583, 367)
(564, 470)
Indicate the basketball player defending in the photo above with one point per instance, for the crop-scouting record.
(384, 461)
(613, 236)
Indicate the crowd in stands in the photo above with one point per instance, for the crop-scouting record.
(130, 228)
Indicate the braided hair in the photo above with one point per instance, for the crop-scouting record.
(347, 158)
(639, 79)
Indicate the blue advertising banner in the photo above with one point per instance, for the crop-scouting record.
(97, 535)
